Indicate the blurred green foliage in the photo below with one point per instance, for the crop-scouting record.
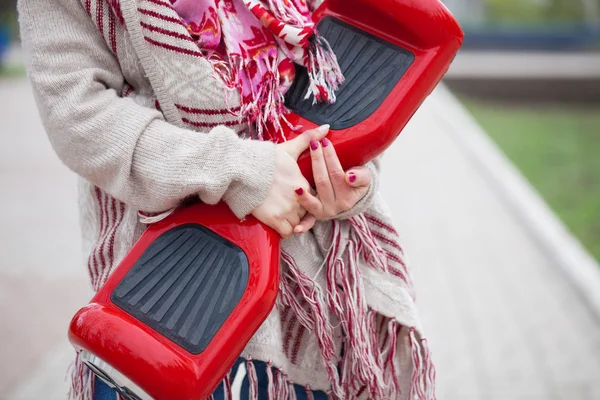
(558, 150)
(12, 71)
(536, 10)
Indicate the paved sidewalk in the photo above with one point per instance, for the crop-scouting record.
(503, 321)
(41, 280)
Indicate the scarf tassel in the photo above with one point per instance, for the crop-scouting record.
(227, 386)
(279, 387)
(391, 378)
(369, 360)
(309, 393)
(253, 379)
(371, 251)
(423, 376)
(324, 73)
(271, 386)
(282, 386)
(292, 390)
(277, 383)
(361, 365)
(315, 319)
(263, 108)
(82, 381)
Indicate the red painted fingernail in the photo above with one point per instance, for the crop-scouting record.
(314, 145)
(299, 191)
(351, 177)
(325, 142)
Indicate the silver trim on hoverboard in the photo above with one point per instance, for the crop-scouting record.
(113, 378)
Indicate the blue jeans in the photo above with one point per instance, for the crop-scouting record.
(104, 392)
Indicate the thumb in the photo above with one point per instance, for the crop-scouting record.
(296, 146)
(358, 177)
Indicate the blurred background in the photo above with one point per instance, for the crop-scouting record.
(494, 184)
(529, 73)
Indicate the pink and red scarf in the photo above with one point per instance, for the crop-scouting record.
(253, 45)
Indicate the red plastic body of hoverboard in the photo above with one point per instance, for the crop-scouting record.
(423, 27)
(164, 368)
(159, 366)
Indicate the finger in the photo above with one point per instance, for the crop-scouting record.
(337, 176)
(285, 229)
(321, 175)
(358, 177)
(310, 203)
(295, 217)
(306, 224)
(296, 146)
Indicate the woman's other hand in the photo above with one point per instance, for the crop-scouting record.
(337, 190)
(280, 210)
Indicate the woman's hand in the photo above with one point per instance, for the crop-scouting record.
(280, 210)
(338, 191)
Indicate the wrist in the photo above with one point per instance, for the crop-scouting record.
(254, 177)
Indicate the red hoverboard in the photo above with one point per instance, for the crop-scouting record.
(176, 313)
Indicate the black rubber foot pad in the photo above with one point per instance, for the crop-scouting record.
(372, 68)
(185, 285)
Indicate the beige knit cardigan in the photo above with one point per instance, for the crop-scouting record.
(130, 107)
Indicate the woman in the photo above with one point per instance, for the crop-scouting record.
(152, 102)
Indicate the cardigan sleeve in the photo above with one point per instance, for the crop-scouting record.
(122, 147)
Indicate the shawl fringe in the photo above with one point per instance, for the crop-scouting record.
(423, 375)
(315, 319)
(82, 381)
(369, 360)
(227, 386)
(324, 73)
(252, 378)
